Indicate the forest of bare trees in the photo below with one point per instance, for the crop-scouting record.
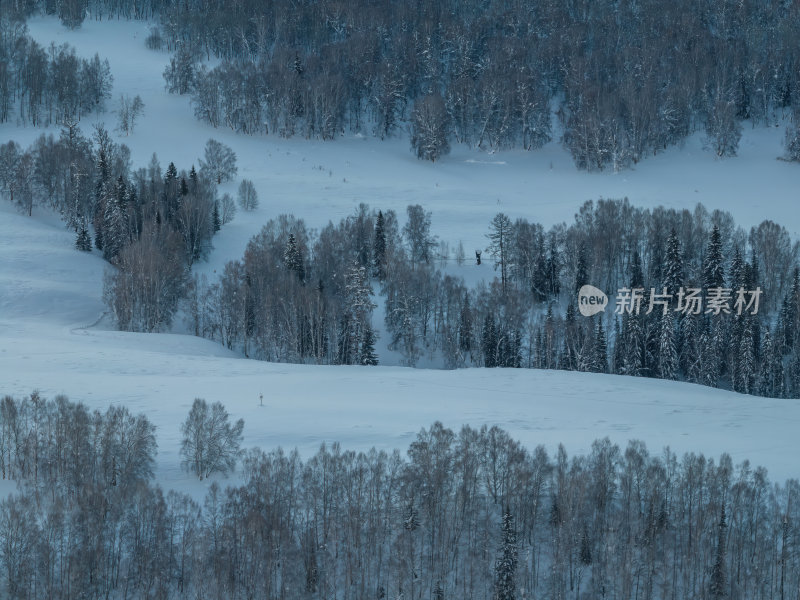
(468, 514)
(302, 295)
(151, 225)
(617, 82)
(43, 86)
(623, 80)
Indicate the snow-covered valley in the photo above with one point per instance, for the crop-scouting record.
(53, 336)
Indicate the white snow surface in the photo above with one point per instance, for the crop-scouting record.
(54, 338)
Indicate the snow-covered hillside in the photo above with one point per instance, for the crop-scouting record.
(53, 337)
(50, 297)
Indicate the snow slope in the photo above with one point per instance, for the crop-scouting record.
(53, 337)
(49, 295)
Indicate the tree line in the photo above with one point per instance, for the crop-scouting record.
(151, 224)
(297, 293)
(47, 85)
(303, 295)
(467, 514)
(624, 81)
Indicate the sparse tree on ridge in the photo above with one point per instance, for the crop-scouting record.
(128, 111)
(417, 233)
(210, 442)
(248, 199)
(429, 128)
(500, 246)
(219, 162)
(227, 209)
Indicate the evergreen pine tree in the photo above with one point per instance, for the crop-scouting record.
(765, 384)
(718, 584)
(410, 518)
(293, 259)
(568, 358)
(667, 356)
(171, 193)
(356, 319)
(600, 349)
(465, 327)
(98, 233)
(745, 369)
(713, 272)
(540, 360)
(348, 349)
(689, 346)
(83, 242)
(438, 591)
(379, 248)
(711, 342)
(784, 333)
(114, 221)
(547, 354)
(794, 375)
(553, 268)
(754, 270)
(778, 377)
(581, 270)
(637, 276)
(618, 345)
(217, 221)
(737, 270)
(634, 346)
(104, 148)
(506, 565)
(192, 181)
(586, 548)
(368, 356)
(489, 342)
(673, 269)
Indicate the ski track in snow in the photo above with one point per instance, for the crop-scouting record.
(53, 336)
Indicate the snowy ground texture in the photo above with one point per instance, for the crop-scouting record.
(50, 295)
